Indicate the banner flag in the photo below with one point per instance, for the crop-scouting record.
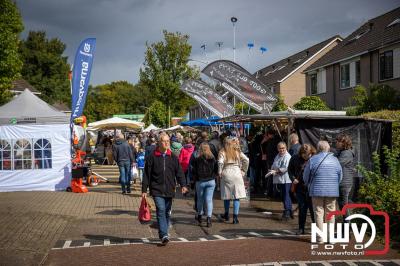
(81, 76)
(208, 97)
(242, 84)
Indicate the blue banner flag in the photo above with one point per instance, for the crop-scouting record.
(81, 76)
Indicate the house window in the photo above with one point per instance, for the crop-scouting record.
(313, 83)
(22, 154)
(386, 65)
(345, 76)
(42, 154)
(358, 73)
(5, 155)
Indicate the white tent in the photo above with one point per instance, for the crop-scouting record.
(149, 128)
(115, 122)
(181, 128)
(34, 146)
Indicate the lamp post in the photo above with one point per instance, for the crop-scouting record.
(219, 44)
(234, 20)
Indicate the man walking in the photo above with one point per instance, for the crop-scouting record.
(323, 174)
(161, 170)
(123, 155)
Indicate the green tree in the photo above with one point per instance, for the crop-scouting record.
(244, 108)
(119, 97)
(280, 104)
(375, 98)
(45, 67)
(311, 103)
(164, 68)
(156, 114)
(10, 63)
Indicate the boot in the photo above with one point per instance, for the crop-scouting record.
(224, 216)
(209, 222)
(235, 219)
(199, 219)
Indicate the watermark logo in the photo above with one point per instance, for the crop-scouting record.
(333, 235)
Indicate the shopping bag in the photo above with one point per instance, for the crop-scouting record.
(144, 211)
(134, 172)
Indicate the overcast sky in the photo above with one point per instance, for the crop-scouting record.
(122, 27)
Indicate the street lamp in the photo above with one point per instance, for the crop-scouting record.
(219, 44)
(234, 20)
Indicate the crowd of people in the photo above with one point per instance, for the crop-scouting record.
(315, 177)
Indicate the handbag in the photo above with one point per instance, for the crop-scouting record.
(144, 211)
(134, 172)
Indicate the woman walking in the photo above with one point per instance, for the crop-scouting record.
(203, 172)
(232, 166)
(296, 168)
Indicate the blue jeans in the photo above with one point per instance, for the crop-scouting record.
(163, 210)
(125, 175)
(305, 204)
(236, 206)
(287, 202)
(205, 192)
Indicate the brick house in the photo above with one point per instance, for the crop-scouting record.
(371, 54)
(286, 76)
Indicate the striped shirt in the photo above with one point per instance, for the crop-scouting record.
(324, 182)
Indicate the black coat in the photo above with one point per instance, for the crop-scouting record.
(204, 169)
(160, 174)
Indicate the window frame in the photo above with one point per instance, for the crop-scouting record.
(313, 81)
(382, 65)
(347, 85)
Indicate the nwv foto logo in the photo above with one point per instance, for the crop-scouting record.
(339, 233)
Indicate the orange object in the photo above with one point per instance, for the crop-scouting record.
(77, 186)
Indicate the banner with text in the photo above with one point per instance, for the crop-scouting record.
(208, 97)
(242, 84)
(81, 76)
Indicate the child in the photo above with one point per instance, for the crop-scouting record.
(140, 163)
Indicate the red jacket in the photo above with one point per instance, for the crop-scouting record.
(184, 156)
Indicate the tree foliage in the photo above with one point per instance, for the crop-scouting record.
(45, 67)
(157, 114)
(375, 98)
(280, 104)
(311, 103)
(383, 191)
(10, 63)
(165, 67)
(118, 97)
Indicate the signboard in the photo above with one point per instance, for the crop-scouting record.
(242, 84)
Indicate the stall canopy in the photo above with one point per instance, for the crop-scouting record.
(115, 122)
(181, 128)
(211, 121)
(368, 135)
(28, 108)
(150, 128)
(34, 146)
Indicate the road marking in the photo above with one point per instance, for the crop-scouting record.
(145, 240)
(67, 244)
(107, 242)
(255, 234)
(203, 239)
(86, 244)
(219, 237)
(183, 239)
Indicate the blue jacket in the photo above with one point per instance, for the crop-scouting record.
(140, 160)
(325, 182)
